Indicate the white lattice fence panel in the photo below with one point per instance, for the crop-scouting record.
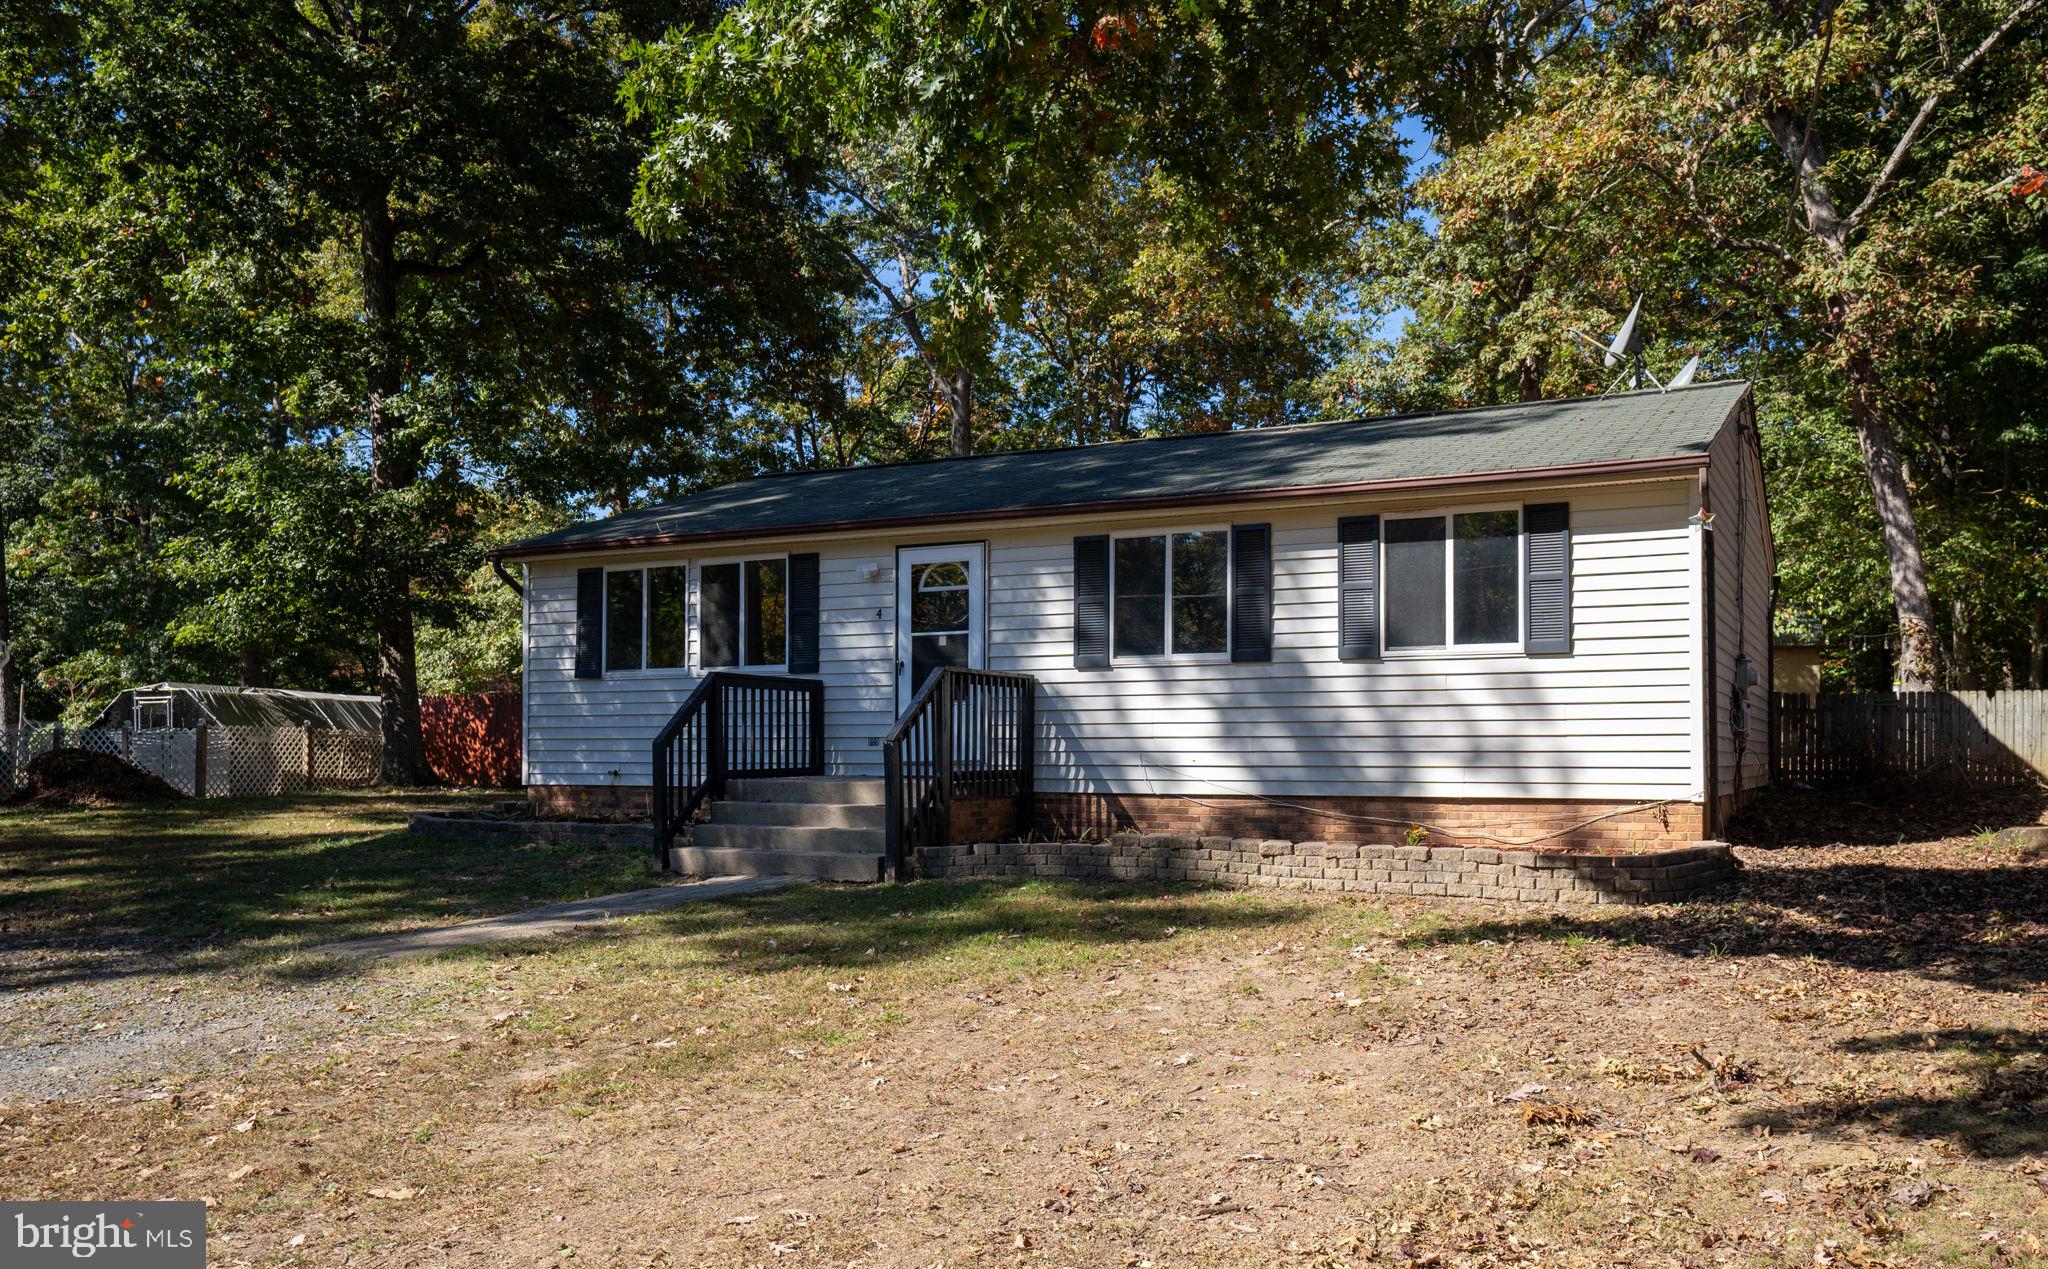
(165, 753)
(346, 759)
(263, 760)
(19, 746)
(100, 740)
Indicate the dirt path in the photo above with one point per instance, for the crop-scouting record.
(120, 1035)
(554, 918)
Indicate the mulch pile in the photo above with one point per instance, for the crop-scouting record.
(77, 777)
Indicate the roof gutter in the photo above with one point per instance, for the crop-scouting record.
(1619, 467)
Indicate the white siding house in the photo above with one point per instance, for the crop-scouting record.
(1628, 712)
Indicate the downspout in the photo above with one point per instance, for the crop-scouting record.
(1771, 693)
(1710, 739)
(498, 567)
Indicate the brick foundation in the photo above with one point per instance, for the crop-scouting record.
(1083, 815)
(1663, 876)
(984, 819)
(1087, 815)
(589, 801)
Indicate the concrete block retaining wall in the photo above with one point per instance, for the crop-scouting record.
(1659, 876)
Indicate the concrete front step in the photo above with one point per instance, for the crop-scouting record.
(800, 814)
(857, 841)
(830, 865)
(832, 789)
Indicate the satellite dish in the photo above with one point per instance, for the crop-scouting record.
(1625, 343)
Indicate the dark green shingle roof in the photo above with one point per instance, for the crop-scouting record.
(1584, 431)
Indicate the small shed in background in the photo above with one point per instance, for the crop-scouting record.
(160, 705)
(1795, 669)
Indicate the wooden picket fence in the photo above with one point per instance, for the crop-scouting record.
(1985, 738)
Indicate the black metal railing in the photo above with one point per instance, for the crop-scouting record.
(733, 727)
(967, 733)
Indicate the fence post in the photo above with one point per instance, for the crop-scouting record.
(817, 704)
(306, 752)
(892, 808)
(715, 755)
(942, 736)
(56, 736)
(199, 760)
(1027, 756)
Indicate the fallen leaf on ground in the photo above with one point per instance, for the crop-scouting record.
(1914, 1193)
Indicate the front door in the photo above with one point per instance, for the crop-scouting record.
(938, 613)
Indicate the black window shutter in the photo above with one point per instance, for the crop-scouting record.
(1091, 602)
(1251, 592)
(1547, 535)
(803, 614)
(1358, 588)
(589, 623)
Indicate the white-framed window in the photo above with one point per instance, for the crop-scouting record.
(646, 617)
(1170, 594)
(743, 613)
(1452, 579)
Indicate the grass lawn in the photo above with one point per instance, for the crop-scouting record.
(1844, 1061)
(225, 882)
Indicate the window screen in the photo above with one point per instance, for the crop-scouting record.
(767, 620)
(668, 606)
(1139, 624)
(622, 612)
(1415, 582)
(719, 622)
(1484, 577)
(1201, 600)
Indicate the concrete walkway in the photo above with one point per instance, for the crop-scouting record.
(555, 918)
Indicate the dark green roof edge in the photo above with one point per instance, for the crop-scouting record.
(1641, 430)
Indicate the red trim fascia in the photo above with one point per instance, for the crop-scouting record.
(1618, 467)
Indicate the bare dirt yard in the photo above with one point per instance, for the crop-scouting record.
(1841, 1061)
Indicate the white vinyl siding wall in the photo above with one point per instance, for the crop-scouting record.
(1616, 719)
(599, 731)
(1742, 542)
(1612, 720)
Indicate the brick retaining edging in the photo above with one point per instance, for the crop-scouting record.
(1663, 876)
(475, 829)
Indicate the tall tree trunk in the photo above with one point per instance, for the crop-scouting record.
(393, 466)
(1529, 378)
(957, 390)
(1807, 155)
(7, 624)
(2037, 640)
(1893, 500)
(249, 667)
(1962, 653)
